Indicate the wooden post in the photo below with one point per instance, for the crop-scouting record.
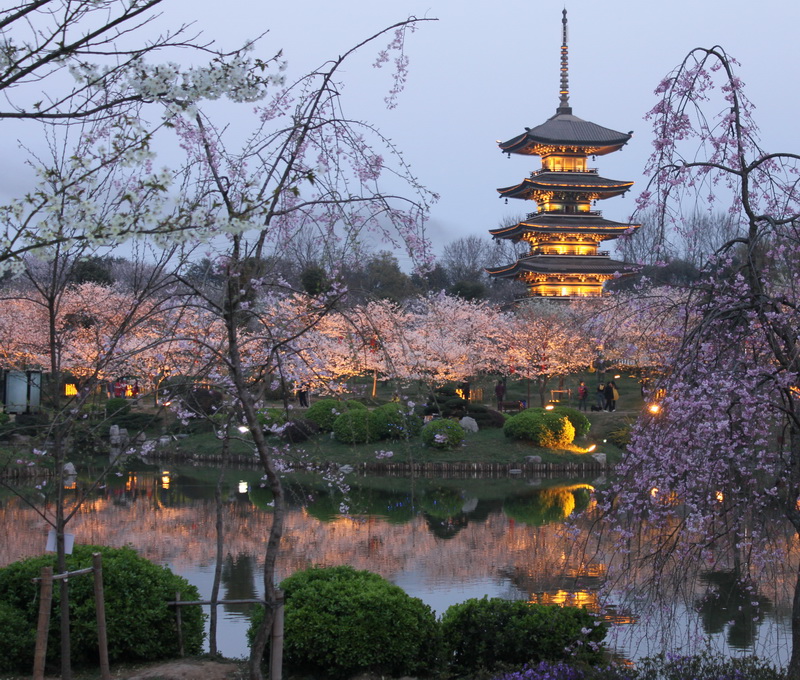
(42, 630)
(100, 609)
(276, 650)
(178, 619)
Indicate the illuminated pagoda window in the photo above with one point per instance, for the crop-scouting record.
(564, 259)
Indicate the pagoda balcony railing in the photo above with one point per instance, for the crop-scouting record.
(534, 215)
(541, 170)
(541, 251)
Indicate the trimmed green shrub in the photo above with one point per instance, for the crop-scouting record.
(579, 421)
(354, 403)
(19, 638)
(442, 434)
(117, 406)
(270, 417)
(30, 424)
(339, 622)
(357, 426)
(486, 417)
(486, 634)
(546, 429)
(325, 412)
(141, 625)
(397, 421)
(299, 430)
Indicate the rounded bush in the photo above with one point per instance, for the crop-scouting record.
(486, 417)
(19, 638)
(354, 403)
(140, 623)
(117, 406)
(397, 421)
(579, 421)
(299, 430)
(357, 426)
(339, 622)
(325, 412)
(442, 434)
(485, 634)
(546, 429)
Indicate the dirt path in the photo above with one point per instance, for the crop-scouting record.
(187, 669)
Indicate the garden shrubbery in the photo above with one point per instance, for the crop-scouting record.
(397, 421)
(442, 434)
(485, 634)
(140, 623)
(356, 426)
(579, 421)
(325, 412)
(547, 429)
(339, 622)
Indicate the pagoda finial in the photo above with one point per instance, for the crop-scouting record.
(563, 105)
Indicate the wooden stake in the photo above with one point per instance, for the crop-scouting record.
(100, 609)
(45, 602)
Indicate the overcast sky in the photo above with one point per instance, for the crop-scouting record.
(487, 69)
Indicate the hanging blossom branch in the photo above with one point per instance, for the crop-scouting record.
(719, 463)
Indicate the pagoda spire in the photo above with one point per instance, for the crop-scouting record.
(563, 106)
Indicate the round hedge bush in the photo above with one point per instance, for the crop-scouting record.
(442, 434)
(325, 412)
(546, 429)
(397, 421)
(485, 634)
(340, 622)
(357, 426)
(579, 421)
(299, 430)
(141, 625)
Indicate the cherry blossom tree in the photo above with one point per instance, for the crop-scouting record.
(723, 453)
(85, 74)
(546, 341)
(305, 163)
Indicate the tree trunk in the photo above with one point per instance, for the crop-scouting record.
(793, 670)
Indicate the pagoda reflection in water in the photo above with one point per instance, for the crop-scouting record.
(441, 540)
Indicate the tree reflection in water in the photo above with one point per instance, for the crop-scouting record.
(443, 540)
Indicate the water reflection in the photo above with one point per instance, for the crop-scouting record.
(443, 540)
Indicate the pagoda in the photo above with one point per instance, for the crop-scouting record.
(564, 235)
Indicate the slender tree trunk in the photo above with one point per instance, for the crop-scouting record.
(793, 670)
(220, 529)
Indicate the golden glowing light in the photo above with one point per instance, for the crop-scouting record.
(654, 408)
(719, 496)
(591, 448)
(243, 487)
(654, 491)
(165, 479)
(549, 407)
(70, 390)
(617, 377)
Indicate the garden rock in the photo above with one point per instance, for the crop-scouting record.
(469, 424)
(600, 458)
(533, 459)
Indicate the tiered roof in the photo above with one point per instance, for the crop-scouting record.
(566, 231)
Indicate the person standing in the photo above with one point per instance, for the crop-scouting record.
(583, 395)
(600, 396)
(500, 392)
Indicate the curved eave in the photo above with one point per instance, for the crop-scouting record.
(528, 188)
(566, 133)
(518, 230)
(563, 265)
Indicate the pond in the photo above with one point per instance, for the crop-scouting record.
(442, 540)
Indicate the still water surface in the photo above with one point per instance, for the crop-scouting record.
(442, 540)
